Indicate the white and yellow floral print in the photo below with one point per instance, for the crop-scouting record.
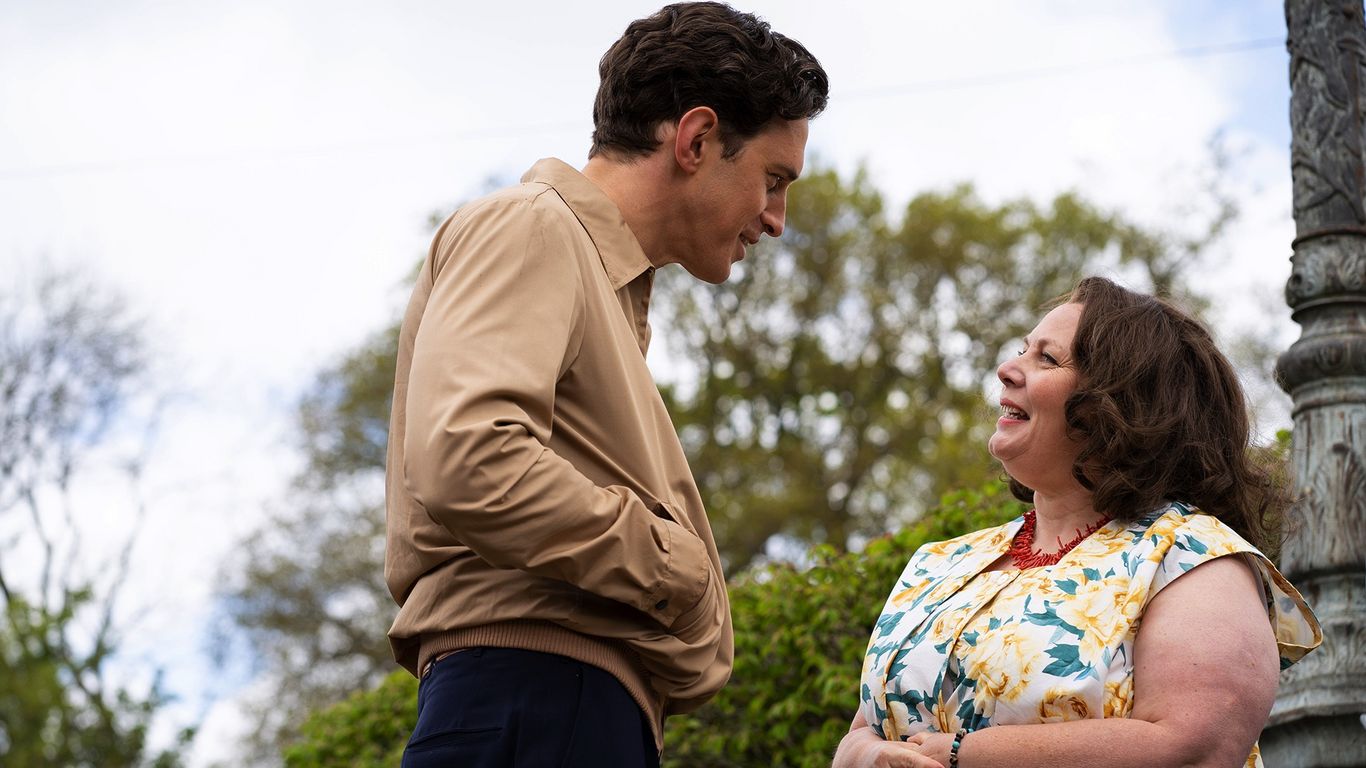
(959, 646)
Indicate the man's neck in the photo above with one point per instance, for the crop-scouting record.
(638, 188)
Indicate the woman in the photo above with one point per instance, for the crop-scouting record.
(1108, 626)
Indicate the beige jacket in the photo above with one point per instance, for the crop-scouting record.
(537, 494)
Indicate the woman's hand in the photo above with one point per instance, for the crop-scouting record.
(861, 747)
(935, 746)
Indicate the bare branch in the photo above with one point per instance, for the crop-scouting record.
(70, 361)
(45, 577)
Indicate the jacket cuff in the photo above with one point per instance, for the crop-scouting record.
(683, 586)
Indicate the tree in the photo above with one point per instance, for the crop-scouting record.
(838, 381)
(833, 388)
(70, 361)
(307, 588)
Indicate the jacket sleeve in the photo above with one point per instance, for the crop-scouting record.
(503, 323)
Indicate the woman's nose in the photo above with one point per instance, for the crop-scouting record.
(1009, 372)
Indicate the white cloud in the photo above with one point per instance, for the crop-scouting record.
(222, 729)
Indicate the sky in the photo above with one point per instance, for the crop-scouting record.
(257, 179)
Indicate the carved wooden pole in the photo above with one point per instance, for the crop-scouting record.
(1317, 719)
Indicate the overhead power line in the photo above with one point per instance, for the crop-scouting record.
(880, 92)
(1002, 78)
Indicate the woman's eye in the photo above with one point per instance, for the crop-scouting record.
(1021, 352)
(1049, 358)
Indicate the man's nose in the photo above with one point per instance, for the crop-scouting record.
(773, 218)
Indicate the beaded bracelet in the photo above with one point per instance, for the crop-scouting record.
(957, 742)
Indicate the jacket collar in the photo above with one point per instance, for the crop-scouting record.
(618, 248)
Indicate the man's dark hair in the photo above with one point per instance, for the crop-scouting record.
(1161, 416)
(701, 54)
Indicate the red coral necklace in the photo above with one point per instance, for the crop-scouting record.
(1023, 554)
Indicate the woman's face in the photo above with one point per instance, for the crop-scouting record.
(1031, 439)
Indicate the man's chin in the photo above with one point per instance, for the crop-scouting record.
(714, 275)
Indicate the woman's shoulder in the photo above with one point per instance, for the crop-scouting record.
(983, 539)
(1184, 528)
(1179, 537)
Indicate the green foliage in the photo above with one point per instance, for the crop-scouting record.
(368, 730)
(344, 417)
(800, 634)
(73, 371)
(54, 706)
(837, 380)
(306, 590)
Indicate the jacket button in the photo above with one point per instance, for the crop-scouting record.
(661, 605)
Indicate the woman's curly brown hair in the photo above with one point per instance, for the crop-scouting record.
(1161, 415)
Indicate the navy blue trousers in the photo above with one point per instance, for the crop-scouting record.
(506, 708)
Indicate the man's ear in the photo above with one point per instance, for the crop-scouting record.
(696, 128)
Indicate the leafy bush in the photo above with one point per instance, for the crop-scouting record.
(367, 730)
(800, 634)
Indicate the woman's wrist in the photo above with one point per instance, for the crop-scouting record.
(957, 745)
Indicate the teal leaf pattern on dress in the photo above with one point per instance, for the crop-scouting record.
(1048, 617)
(1192, 544)
(956, 647)
(1066, 661)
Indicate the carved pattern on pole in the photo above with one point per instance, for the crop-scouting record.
(1328, 266)
(1327, 54)
(1315, 720)
(1329, 521)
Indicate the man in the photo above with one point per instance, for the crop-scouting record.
(560, 590)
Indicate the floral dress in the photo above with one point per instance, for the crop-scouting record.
(958, 646)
